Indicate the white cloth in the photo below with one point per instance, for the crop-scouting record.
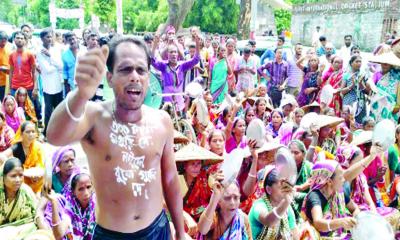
(51, 71)
(345, 54)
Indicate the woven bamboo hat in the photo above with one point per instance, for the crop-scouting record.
(179, 138)
(193, 152)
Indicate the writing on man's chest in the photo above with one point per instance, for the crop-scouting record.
(130, 137)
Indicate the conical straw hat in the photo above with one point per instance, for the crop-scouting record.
(396, 47)
(387, 58)
(324, 120)
(362, 138)
(179, 138)
(192, 152)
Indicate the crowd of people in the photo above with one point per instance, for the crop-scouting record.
(340, 172)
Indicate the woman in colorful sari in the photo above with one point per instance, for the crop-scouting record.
(52, 215)
(312, 81)
(386, 103)
(334, 77)
(325, 205)
(393, 161)
(271, 217)
(6, 134)
(304, 167)
(235, 135)
(24, 102)
(18, 202)
(192, 162)
(63, 167)
(261, 110)
(81, 205)
(349, 155)
(255, 160)
(276, 123)
(14, 114)
(232, 58)
(29, 150)
(223, 219)
(249, 114)
(219, 73)
(354, 88)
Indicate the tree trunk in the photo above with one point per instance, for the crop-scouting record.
(178, 9)
(244, 19)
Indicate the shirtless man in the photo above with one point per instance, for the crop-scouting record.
(129, 146)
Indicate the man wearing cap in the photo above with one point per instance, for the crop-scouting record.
(246, 70)
(173, 71)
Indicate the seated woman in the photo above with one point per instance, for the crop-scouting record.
(222, 219)
(325, 205)
(29, 150)
(52, 215)
(349, 155)
(249, 114)
(6, 134)
(72, 217)
(276, 123)
(63, 167)
(304, 167)
(81, 201)
(14, 114)
(216, 142)
(256, 160)
(261, 110)
(271, 216)
(18, 202)
(191, 163)
(25, 103)
(235, 135)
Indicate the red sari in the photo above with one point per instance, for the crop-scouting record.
(334, 78)
(198, 196)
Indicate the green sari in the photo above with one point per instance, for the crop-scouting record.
(219, 84)
(386, 99)
(303, 175)
(17, 216)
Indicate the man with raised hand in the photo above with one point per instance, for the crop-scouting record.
(129, 145)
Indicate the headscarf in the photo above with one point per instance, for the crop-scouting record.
(28, 105)
(345, 155)
(14, 121)
(58, 156)
(321, 173)
(170, 28)
(83, 222)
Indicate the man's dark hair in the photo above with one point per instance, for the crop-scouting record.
(93, 34)
(246, 50)
(276, 49)
(282, 39)
(124, 39)
(318, 27)
(3, 35)
(20, 33)
(46, 32)
(355, 47)
(322, 39)
(348, 36)
(299, 44)
(148, 37)
(252, 43)
(192, 45)
(68, 35)
(103, 40)
(26, 25)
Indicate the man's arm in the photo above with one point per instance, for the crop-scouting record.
(170, 182)
(89, 74)
(196, 58)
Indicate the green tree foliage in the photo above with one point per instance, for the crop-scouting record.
(283, 19)
(145, 15)
(220, 16)
(105, 10)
